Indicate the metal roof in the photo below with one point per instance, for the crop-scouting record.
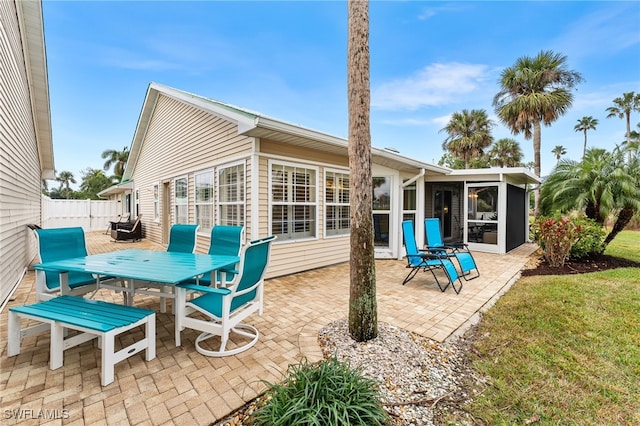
(255, 124)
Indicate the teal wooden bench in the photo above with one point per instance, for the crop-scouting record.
(93, 318)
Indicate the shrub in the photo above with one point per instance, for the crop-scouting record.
(324, 393)
(591, 241)
(556, 237)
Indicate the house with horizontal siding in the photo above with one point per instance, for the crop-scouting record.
(25, 137)
(198, 160)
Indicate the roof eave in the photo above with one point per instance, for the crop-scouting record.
(31, 21)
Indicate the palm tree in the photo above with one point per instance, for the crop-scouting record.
(628, 191)
(623, 107)
(65, 178)
(634, 144)
(535, 91)
(602, 185)
(94, 181)
(559, 151)
(117, 159)
(469, 134)
(363, 310)
(584, 124)
(505, 152)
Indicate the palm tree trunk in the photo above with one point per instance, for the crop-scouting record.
(363, 315)
(628, 115)
(625, 216)
(536, 166)
(584, 149)
(591, 211)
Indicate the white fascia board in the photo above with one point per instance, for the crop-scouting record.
(32, 34)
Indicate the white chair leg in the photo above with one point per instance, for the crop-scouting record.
(14, 340)
(56, 355)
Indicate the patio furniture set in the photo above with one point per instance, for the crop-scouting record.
(123, 229)
(438, 256)
(226, 285)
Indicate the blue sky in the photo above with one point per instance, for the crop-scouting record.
(287, 60)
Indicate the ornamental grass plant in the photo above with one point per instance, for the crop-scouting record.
(325, 393)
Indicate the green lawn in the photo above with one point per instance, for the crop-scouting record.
(626, 245)
(564, 350)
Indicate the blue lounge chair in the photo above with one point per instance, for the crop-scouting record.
(424, 260)
(458, 250)
(226, 308)
(59, 244)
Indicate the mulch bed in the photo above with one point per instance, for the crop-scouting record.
(592, 264)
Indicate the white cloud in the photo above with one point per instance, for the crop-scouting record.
(442, 120)
(430, 12)
(609, 31)
(434, 85)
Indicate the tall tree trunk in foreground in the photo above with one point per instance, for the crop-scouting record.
(363, 309)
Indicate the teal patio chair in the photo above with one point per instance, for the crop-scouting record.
(58, 244)
(457, 250)
(225, 308)
(424, 260)
(183, 238)
(226, 240)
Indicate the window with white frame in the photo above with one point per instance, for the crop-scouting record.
(156, 202)
(231, 195)
(293, 195)
(181, 200)
(204, 201)
(381, 210)
(137, 196)
(409, 201)
(336, 198)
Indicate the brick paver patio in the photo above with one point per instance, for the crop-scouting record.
(181, 386)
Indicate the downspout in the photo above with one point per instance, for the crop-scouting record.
(255, 193)
(420, 223)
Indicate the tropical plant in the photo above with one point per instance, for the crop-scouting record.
(469, 133)
(325, 393)
(535, 91)
(584, 124)
(117, 159)
(94, 181)
(591, 241)
(556, 237)
(623, 106)
(627, 188)
(448, 160)
(505, 152)
(65, 178)
(559, 151)
(603, 185)
(363, 308)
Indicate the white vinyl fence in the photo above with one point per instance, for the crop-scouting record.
(91, 215)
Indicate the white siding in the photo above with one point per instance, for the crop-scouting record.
(288, 257)
(181, 141)
(20, 178)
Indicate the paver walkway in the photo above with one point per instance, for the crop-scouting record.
(181, 386)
